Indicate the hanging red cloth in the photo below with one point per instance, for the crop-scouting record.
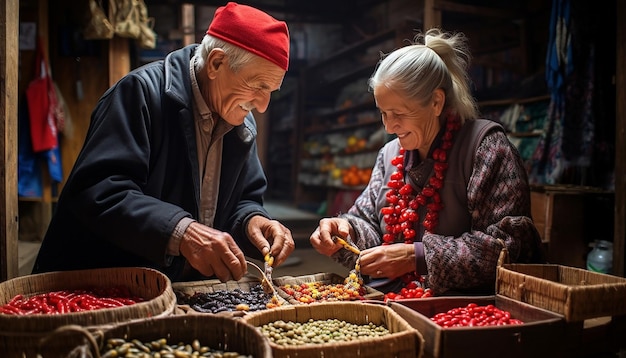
(43, 105)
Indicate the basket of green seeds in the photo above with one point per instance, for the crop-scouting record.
(171, 336)
(337, 329)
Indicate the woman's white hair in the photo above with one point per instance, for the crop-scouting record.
(431, 61)
(237, 56)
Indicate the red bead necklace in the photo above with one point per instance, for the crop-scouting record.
(402, 212)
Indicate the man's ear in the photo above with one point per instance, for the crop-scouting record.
(438, 101)
(215, 60)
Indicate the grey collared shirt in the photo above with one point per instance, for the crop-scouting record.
(210, 133)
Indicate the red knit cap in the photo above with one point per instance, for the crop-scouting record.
(252, 30)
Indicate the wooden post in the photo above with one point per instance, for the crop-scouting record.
(619, 241)
(432, 14)
(9, 24)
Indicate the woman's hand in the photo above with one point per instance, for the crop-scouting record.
(322, 238)
(388, 260)
(270, 236)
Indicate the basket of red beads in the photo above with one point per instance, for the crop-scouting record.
(32, 306)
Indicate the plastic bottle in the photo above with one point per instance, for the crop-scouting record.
(600, 259)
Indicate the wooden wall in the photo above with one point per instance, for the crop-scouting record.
(97, 64)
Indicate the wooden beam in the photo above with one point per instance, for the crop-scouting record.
(9, 24)
(619, 240)
(451, 6)
(432, 14)
(119, 59)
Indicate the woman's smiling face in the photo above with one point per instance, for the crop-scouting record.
(415, 125)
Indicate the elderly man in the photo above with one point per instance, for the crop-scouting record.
(169, 175)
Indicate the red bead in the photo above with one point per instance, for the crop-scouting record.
(436, 154)
(443, 156)
(395, 185)
(387, 210)
(396, 176)
(440, 166)
(428, 225)
(434, 206)
(428, 191)
(392, 198)
(406, 189)
(436, 182)
(388, 238)
(421, 199)
(431, 216)
(409, 233)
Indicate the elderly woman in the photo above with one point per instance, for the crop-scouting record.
(169, 175)
(445, 196)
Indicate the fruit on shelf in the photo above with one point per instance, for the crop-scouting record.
(355, 176)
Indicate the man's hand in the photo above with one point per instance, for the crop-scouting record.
(213, 252)
(270, 236)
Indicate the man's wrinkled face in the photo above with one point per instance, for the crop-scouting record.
(234, 94)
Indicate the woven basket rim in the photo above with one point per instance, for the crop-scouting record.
(161, 303)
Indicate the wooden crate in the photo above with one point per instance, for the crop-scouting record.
(324, 278)
(541, 335)
(575, 293)
(403, 340)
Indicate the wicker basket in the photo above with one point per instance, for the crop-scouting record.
(215, 331)
(576, 294)
(192, 287)
(21, 334)
(404, 340)
(324, 278)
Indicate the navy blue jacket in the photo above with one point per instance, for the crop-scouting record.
(137, 176)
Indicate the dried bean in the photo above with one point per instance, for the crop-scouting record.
(224, 301)
(319, 331)
(118, 347)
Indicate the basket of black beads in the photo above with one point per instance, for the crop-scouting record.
(228, 298)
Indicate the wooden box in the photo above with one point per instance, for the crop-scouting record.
(541, 335)
(567, 216)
